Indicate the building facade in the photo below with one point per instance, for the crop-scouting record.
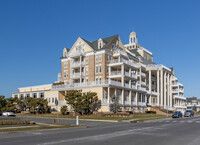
(193, 104)
(108, 67)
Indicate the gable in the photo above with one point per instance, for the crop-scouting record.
(82, 44)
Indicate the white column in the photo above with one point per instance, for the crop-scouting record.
(80, 69)
(168, 91)
(122, 73)
(145, 98)
(102, 94)
(164, 88)
(130, 93)
(108, 95)
(140, 77)
(122, 96)
(136, 98)
(150, 81)
(171, 98)
(150, 100)
(161, 91)
(158, 88)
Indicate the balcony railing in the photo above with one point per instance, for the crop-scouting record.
(77, 53)
(142, 74)
(113, 73)
(77, 75)
(142, 103)
(124, 61)
(77, 64)
(115, 83)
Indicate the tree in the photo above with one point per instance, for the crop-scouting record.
(38, 105)
(114, 106)
(82, 102)
(90, 102)
(2, 102)
(64, 110)
(74, 98)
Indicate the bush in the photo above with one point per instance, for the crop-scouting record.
(150, 112)
(64, 110)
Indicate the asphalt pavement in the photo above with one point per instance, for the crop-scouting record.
(184, 131)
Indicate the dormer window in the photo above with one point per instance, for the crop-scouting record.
(100, 43)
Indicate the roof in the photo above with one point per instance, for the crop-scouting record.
(107, 41)
(135, 51)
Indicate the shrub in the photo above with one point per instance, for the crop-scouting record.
(150, 112)
(64, 110)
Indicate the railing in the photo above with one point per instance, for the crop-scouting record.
(142, 74)
(77, 64)
(118, 51)
(142, 103)
(115, 83)
(77, 75)
(124, 61)
(142, 89)
(133, 103)
(179, 97)
(126, 85)
(126, 102)
(77, 53)
(126, 73)
(104, 101)
(115, 73)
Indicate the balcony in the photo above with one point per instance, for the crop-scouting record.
(126, 102)
(76, 53)
(141, 74)
(142, 83)
(115, 73)
(119, 61)
(132, 75)
(115, 83)
(142, 89)
(179, 97)
(77, 75)
(77, 64)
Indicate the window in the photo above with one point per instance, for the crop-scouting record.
(52, 100)
(100, 58)
(34, 95)
(41, 95)
(96, 79)
(97, 69)
(107, 69)
(107, 58)
(65, 74)
(86, 70)
(99, 80)
(86, 60)
(16, 96)
(110, 57)
(86, 80)
(97, 58)
(21, 96)
(49, 100)
(65, 64)
(27, 95)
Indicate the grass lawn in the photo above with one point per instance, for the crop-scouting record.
(99, 117)
(8, 128)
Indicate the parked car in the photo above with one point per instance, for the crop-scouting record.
(177, 114)
(189, 113)
(8, 113)
(0, 113)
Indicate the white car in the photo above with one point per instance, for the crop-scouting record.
(8, 113)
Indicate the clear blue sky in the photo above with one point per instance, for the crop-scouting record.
(34, 32)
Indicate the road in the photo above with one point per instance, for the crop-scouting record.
(185, 131)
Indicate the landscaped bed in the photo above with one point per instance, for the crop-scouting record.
(112, 117)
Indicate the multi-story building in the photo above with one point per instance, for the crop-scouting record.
(108, 67)
(193, 104)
